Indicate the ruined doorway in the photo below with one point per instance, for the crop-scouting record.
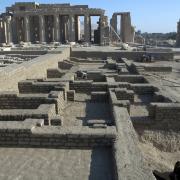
(34, 29)
(79, 29)
(49, 28)
(119, 25)
(95, 30)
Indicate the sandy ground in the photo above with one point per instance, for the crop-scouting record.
(55, 164)
(159, 160)
(77, 113)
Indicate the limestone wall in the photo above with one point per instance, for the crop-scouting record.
(36, 68)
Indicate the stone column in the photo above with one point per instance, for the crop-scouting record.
(178, 35)
(78, 28)
(104, 30)
(1, 31)
(113, 24)
(8, 30)
(41, 28)
(127, 32)
(27, 29)
(71, 28)
(56, 28)
(87, 29)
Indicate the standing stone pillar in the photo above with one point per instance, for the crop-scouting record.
(71, 28)
(8, 30)
(104, 30)
(41, 28)
(1, 31)
(27, 29)
(78, 28)
(178, 35)
(127, 31)
(87, 29)
(56, 28)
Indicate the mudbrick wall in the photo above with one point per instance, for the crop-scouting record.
(33, 86)
(35, 68)
(32, 133)
(44, 111)
(129, 160)
(167, 112)
(12, 100)
(87, 86)
(54, 73)
(117, 55)
(130, 78)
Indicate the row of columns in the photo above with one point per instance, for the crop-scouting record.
(56, 33)
(6, 30)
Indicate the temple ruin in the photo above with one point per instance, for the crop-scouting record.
(45, 23)
(127, 31)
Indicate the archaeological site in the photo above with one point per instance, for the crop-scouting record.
(85, 102)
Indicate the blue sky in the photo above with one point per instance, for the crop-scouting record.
(147, 15)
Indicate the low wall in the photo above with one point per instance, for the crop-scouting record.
(128, 158)
(54, 73)
(130, 78)
(32, 133)
(36, 68)
(124, 94)
(25, 52)
(33, 86)
(121, 54)
(143, 88)
(12, 100)
(166, 112)
(115, 102)
(96, 76)
(158, 68)
(44, 111)
(65, 65)
(87, 86)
